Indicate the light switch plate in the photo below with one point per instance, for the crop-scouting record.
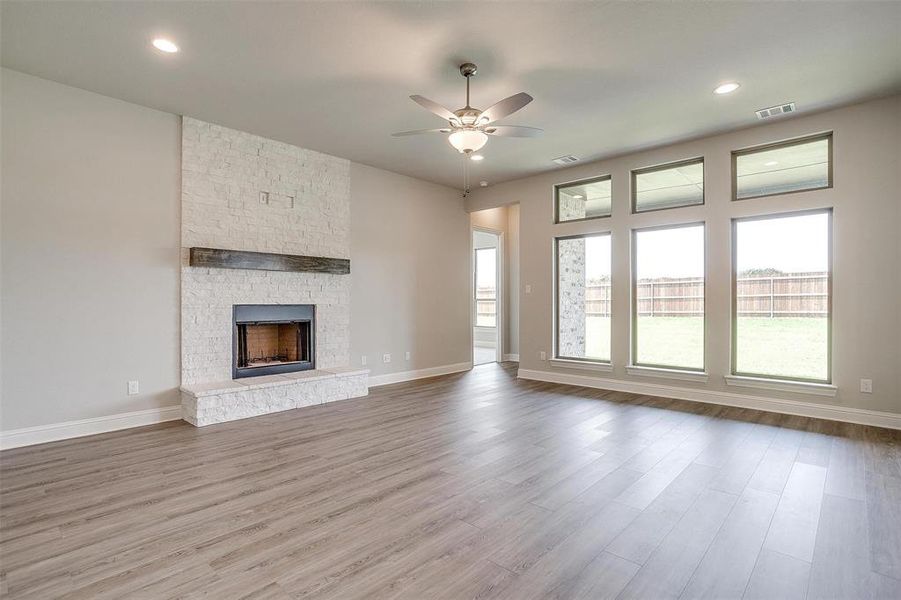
(386, 358)
(363, 360)
(134, 387)
(528, 288)
(866, 386)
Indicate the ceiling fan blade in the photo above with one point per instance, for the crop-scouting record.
(513, 131)
(418, 131)
(435, 108)
(505, 107)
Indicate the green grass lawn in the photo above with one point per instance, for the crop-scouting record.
(671, 341)
(782, 346)
(597, 338)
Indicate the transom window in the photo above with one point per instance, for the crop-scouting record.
(581, 200)
(792, 166)
(668, 186)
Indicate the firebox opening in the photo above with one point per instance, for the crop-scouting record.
(268, 344)
(272, 339)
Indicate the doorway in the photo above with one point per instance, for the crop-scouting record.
(487, 255)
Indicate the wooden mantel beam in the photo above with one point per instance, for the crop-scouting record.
(265, 261)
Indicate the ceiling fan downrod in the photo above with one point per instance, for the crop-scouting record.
(467, 70)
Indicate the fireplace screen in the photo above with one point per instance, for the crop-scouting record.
(272, 339)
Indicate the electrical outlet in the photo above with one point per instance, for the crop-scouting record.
(407, 355)
(528, 288)
(363, 360)
(542, 355)
(386, 358)
(134, 387)
(866, 386)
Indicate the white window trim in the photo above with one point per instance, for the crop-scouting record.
(680, 374)
(799, 387)
(585, 365)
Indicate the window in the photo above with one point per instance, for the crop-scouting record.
(781, 305)
(793, 166)
(668, 297)
(583, 297)
(486, 287)
(580, 200)
(668, 186)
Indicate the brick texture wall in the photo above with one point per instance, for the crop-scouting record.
(245, 192)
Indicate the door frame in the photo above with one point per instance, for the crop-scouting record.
(501, 283)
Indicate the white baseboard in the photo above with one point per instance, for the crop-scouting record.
(389, 378)
(511, 357)
(788, 407)
(28, 436)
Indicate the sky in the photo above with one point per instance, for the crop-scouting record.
(597, 257)
(670, 252)
(486, 268)
(790, 244)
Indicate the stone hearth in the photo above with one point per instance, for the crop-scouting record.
(218, 402)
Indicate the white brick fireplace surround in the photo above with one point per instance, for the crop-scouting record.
(245, 192)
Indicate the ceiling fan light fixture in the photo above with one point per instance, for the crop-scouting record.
(164, 45)
(726, 88)
(467, 140)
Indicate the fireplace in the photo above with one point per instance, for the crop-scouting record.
(273, 338)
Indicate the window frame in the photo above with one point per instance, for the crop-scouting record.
(828, 135)
(634, 173)
(733, 351)
(475, 288)
(585, 181)
(633, 334)
(556, 337)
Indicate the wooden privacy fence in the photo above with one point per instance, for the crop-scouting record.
(486, 307)
(787, 295)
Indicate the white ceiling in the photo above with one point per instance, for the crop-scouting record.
(335, 76)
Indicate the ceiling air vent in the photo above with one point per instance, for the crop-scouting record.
(566, 160)
(775, 111)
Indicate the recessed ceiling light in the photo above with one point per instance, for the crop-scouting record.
(771, 163)
(578, 196)
(726, 88)
(483, 183)
(164, 45)
(476, 157)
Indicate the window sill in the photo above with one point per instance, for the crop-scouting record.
(696, 376)
(585, 365)
(799, 387)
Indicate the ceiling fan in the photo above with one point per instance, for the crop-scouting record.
(470, 127)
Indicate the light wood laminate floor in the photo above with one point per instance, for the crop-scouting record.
(475, 485)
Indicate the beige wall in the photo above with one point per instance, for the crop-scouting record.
(409, 272)
(89, 254)
(511, 343)
(867, 276)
